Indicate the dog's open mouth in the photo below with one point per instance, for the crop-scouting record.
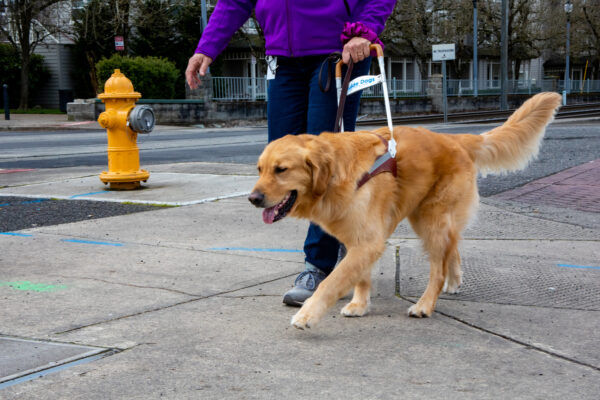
(279, 211)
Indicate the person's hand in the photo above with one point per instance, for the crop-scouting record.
(357, 48)
(198, 64)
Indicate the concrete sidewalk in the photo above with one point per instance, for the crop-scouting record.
(185, 303)
(23, 122)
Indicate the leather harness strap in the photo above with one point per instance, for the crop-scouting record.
(383, 163)
(340, 111)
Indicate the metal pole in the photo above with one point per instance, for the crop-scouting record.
(504, 56)
(253, 77)
(567, 90)
(6, 105)
(444, 91)
(204, 19)
(475, 66)
(203, 23)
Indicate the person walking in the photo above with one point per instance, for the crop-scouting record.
(299, 36)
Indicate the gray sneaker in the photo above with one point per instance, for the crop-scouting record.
(305, 285)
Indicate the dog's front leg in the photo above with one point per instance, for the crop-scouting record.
(349, 273)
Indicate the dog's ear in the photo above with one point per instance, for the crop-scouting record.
(319, 162)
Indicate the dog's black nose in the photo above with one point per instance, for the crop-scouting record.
(256, 198)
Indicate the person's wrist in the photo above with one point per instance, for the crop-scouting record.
(358, 29)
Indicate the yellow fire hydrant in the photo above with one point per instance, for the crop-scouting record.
(123, 121)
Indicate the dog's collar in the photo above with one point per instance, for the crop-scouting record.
(383, 163)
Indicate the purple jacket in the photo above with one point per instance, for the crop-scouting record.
(296, 28)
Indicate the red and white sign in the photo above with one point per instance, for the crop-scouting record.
(119, 43)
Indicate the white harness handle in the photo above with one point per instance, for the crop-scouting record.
(365, 81)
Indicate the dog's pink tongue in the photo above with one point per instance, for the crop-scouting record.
(269, 215)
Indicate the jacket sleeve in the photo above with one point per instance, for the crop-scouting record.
(373, 13)
(227, 17)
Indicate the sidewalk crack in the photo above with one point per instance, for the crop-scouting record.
(510, 338)
(172, 305)
(127, 284)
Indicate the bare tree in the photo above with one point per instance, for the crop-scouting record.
(27, 24)
(411, 26)
(94, 29)
(416, 25)
(526, 36)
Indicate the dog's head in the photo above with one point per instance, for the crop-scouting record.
(293, 172)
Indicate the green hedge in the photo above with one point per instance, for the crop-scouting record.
(153, 77)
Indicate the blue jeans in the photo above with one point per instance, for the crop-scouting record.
(297, 105)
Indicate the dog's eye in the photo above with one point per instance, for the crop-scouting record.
(279, 170)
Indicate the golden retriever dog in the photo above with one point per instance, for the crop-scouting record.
(315, 178)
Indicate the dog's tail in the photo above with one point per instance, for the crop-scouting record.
(511, 146)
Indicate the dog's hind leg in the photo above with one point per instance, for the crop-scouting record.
(351, 272)
(440, 241)
(454, 277)
(361, 299)
(461, 216)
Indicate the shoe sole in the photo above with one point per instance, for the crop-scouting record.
(291, 302)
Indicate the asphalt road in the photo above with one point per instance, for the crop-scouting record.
(566, 144)
(88, 148)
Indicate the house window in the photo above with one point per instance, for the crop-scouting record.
(494, 75)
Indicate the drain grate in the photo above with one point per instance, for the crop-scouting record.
(22, 359)
(531, 281)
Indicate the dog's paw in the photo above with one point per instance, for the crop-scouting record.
(452, 283)
(418, 311)
(355, 309)
(302, 320)
(451, 287)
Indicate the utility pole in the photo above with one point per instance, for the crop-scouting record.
(203, 23)
(567, 90)
(475, 65)
(504, 57)
(204, 19)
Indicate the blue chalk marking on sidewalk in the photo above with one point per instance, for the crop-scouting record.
(92, 242)
(255, 249)
(15, 234)
(86, 194)
(577, 266)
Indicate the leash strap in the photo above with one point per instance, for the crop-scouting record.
(332, 58)
(340, 111)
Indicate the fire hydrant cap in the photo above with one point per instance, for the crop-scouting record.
(118, 86)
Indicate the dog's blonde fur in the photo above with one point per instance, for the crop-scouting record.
(436, 189)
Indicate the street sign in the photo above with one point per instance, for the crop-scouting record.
(119, 43)
(442, 52)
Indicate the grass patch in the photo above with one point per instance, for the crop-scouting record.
(132, 203)
(37, 111)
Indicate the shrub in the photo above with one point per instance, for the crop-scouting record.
(10, 73)
(153, 77)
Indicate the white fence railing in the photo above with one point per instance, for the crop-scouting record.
(464, 87)
(248, 89)
(239, 88)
